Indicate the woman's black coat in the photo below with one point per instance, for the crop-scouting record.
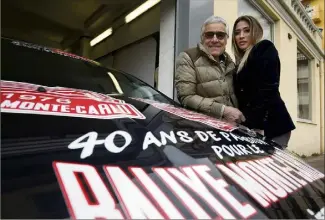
(257, 90)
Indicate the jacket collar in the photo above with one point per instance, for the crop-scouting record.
(227, 59)
(230, 65)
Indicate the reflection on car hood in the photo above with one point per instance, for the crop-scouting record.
(73, 153)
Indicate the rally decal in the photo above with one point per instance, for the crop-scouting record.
(52, 50)
(87, 142)
(193, 180)
(18, 97)
(273, 178)
(190, 115)
(198, 191)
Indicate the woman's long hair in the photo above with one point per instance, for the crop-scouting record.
(256, 32)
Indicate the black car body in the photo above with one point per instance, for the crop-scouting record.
(82, 141)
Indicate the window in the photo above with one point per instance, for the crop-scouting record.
(249, 7)
(30, 63)
(304, 86)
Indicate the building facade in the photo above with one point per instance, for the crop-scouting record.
(148, 48)
(299, 43)
(315, 10)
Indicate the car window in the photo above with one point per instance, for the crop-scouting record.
(25, 62)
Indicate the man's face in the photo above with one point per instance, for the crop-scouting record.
(215, 38)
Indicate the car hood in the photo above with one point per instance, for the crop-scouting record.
(79, 154)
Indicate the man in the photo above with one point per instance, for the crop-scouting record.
(204, 74)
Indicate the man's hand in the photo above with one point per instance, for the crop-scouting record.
(259, 131)
(233, 115)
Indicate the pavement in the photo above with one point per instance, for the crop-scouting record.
(317, 162)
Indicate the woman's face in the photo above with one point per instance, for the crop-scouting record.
(243, 36)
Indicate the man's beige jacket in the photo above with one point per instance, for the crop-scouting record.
(204, 84)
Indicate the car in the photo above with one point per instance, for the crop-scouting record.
(82, 141)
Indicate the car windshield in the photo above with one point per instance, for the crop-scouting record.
(25, 62)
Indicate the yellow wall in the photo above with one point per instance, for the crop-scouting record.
(306, 139)
(321, 12)
(230, 15)
(322, 105)
(321, 24)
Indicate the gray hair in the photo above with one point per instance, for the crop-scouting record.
(212, 20)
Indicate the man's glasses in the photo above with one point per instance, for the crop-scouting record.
(219, 34)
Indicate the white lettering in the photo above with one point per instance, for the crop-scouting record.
(135, 204)
(64, 101)
(225, 135)
(9, 104)
(184, 136)
(285, 172)
(219, 186)
(272, 187)
(126, 110)
(230, 150)
(104, 109)
(213, 136)
(180, 192)
(295, 167)
(227, 150)
(27, 97)
(55, 107)
(41, 106)
(279, 177)
(92, 110)
(191, 180)
(80, 110)
(155, 192)
(27, 105)
(303, 169)
(87, 146)
(248, 184)
(247, 152)
(117, 109)
(78, 200)
(218, 151)
(235, 137)
(8, 95)
(109, 141)
(236, 150)
(170, 137)
(150, 139)
(43, 98)
(254, 148)
(202, 135)
(65, 108)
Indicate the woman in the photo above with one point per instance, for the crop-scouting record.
(257, 82)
